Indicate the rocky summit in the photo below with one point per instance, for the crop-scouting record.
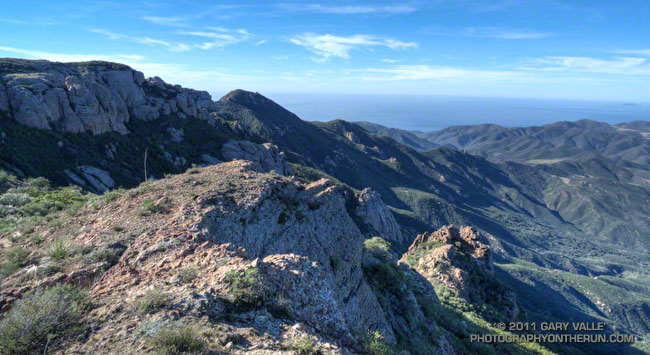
(141, 217)
(95, 97)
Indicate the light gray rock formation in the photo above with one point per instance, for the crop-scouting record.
(209, 159)
(177, 161)
(376, 214)
(75, 178)
(266, 156)
(100, 180)
(94, 96)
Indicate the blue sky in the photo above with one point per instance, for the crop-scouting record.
(595, 50)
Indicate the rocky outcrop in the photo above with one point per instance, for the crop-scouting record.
(470, 240)
(266, 157)
(460, 260)
(375, 214)
(373, 217)
(100, 180)
(94, 96)
(352, 137)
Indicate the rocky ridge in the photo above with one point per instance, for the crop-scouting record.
(223, 221)
(95, 97)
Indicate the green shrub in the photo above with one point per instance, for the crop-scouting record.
(150, 206)
(413, 257)
(305, 346)
(17, 255)
(15, 199)
(41, 319)
(427, 305)
(188, 275)
(45, 201)
(194, 170)
(374, 344)
(379, 248)
(38, 239)
(387, 277)
(246, 287)
(113, 195)
(172, 340)
(4, 178)
(15, 259)
(152, 302)
(109, 254)
(58, 250)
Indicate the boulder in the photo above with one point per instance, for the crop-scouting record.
(210, 160)
(100, 180)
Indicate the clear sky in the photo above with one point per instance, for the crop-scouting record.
(595, 50)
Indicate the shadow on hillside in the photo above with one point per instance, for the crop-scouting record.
(541, 303)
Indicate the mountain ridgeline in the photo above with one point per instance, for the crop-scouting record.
(263, 231)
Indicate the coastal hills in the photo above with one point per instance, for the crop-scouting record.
(241, 227)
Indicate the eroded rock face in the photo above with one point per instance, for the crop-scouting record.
(267, 156)
(376, 214)
(376, 219)
(95, 96)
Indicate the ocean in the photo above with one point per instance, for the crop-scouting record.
(427, 113)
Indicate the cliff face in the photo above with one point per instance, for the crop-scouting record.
(97, 97)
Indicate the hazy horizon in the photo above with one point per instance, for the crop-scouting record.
(433, 112)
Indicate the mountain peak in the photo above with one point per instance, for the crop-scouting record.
(247, 98)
